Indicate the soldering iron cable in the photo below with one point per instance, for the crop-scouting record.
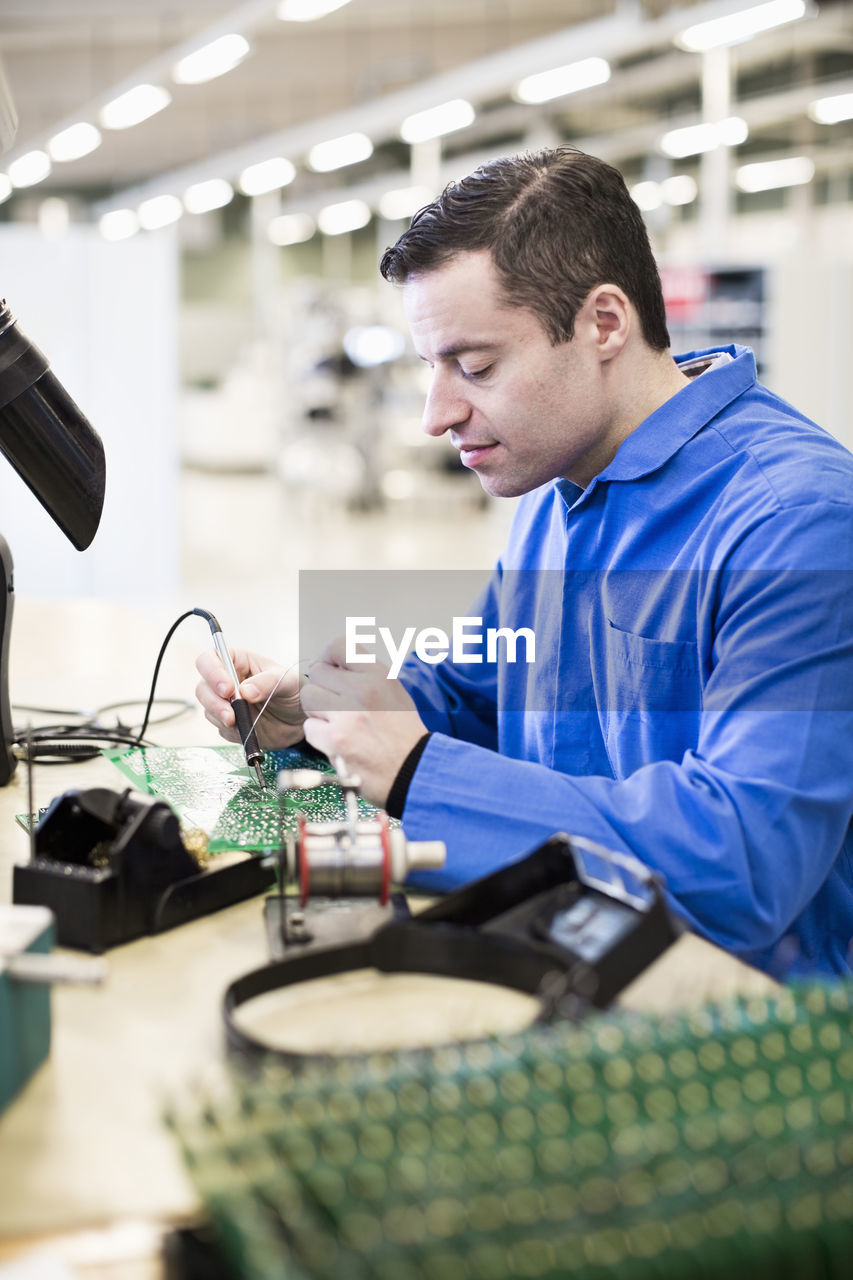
(68, 744)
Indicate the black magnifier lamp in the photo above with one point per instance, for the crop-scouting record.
(59, 455)
(51, 445)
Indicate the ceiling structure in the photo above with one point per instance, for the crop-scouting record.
(371, 62)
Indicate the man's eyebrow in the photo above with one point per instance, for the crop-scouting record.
(463, 348)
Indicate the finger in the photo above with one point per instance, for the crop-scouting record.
(325, 675)
(335, 652)
(317, 701)
(335, 655)
(272, 682)
(230, 734)
(217, 710)
(318, 734)
(248, 663)
(210, 668)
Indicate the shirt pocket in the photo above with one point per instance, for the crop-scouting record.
(648, 694)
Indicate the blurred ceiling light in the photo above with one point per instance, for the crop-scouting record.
(368, 345)
(29, 169)
(647, 196)
(794, 171)
(437, 121)
(118, 224)
(133, 107)
(76, 141)
(691, 141)
(831, 110)
(307, 10)
(403, 202)
(53, 217)
(732, 131)
(347, 215)
(269, 175)
(562, 80)
(696, 138)
(159, 211)
(338, 152)
(679, 189)
(737, 27)
(291, 228)
(201, 197)
(5, 187)
(211, 60)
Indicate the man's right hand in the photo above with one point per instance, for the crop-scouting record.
(281, 723)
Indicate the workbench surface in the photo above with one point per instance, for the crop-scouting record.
(83, 1146)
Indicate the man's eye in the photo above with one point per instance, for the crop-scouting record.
(473, 374)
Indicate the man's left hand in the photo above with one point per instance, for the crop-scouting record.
(355, 711)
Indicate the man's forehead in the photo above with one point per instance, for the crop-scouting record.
(462, 323)
(444, 331)
(460, 302)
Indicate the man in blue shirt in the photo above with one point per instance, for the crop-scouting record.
(682, 551)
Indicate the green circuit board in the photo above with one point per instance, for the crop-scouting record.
(214, 789)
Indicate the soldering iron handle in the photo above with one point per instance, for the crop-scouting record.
(225, 655)
(242, 710)
(243, 717)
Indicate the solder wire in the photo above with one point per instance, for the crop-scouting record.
(271, 694)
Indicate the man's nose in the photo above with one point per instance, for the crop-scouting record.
(446, 406)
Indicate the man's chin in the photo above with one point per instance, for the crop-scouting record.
(503, 486)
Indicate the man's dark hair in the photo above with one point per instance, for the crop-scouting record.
(557, 223)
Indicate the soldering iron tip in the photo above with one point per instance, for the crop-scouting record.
(261, 781)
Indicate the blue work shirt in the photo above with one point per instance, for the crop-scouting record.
(691, 701)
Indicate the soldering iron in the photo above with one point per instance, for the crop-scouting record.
(242, 710)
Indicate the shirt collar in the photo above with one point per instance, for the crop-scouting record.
(663, 433)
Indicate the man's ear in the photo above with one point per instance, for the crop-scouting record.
(608, 313)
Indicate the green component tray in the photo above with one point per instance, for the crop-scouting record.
(711, 1145)
(214, 789)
